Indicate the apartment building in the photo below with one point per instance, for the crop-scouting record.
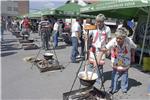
(14, 7)
(23, 7)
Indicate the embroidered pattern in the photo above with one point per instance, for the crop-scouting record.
(120, 56)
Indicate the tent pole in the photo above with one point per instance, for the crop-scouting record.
(144, 38)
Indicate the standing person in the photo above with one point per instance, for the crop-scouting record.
(44, 26)
(100, 36)
(122, 54)
(56, 33)
(61, 27)
(9, 23)
(82, 44)
(75, 38)
(2, 27)
(14, 26)
(125, 24)
(25, 26)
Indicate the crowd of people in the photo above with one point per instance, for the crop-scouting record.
(121, 47)
(46, 27)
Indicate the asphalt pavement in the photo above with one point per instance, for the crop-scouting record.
(20, 82)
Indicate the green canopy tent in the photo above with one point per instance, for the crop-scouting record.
(123, 9)
(51, 12)
(36, 14)
(45, 12)
(32, 15)
(72, 10)
(48, 12)
(54, 12)
(22, 16)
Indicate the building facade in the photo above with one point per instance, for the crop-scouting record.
(23, 7)
(14, 8)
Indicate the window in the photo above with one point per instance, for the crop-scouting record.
(15, 9)
(9, 8)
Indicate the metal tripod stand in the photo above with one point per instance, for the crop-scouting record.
(57, 61)
(86, 58)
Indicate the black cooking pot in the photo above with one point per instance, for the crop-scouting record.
(85, 78)
(48, 56)
(31, 40)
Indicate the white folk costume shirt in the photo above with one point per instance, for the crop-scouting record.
(121, 56)
(100, 38)
(75, 28)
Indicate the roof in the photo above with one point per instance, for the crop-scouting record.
(70, 7)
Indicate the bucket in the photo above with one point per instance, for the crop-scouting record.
(146, 64)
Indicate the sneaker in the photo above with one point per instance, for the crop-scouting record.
(77, 57)
(112, 92)
(124, 92)
(74, 62)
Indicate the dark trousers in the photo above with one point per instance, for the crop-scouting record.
(82, 44)
(45, 39)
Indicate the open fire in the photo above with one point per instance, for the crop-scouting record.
(87, 94)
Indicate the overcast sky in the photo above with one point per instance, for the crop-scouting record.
(41, 4)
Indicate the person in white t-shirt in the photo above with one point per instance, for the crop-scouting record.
(125, 24)
(75, 38)
(122, 54)
(56, 33)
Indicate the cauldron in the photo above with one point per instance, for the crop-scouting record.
(85, 78)
(31, 40)
(48, 56)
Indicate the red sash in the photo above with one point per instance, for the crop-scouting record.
(96, 37)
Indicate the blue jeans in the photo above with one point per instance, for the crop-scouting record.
(124, 80)
(55, 39)
(99, 71)
(74, 52)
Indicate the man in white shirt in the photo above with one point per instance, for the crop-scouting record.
(75, 38)
(44, 27)
(56, 33)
